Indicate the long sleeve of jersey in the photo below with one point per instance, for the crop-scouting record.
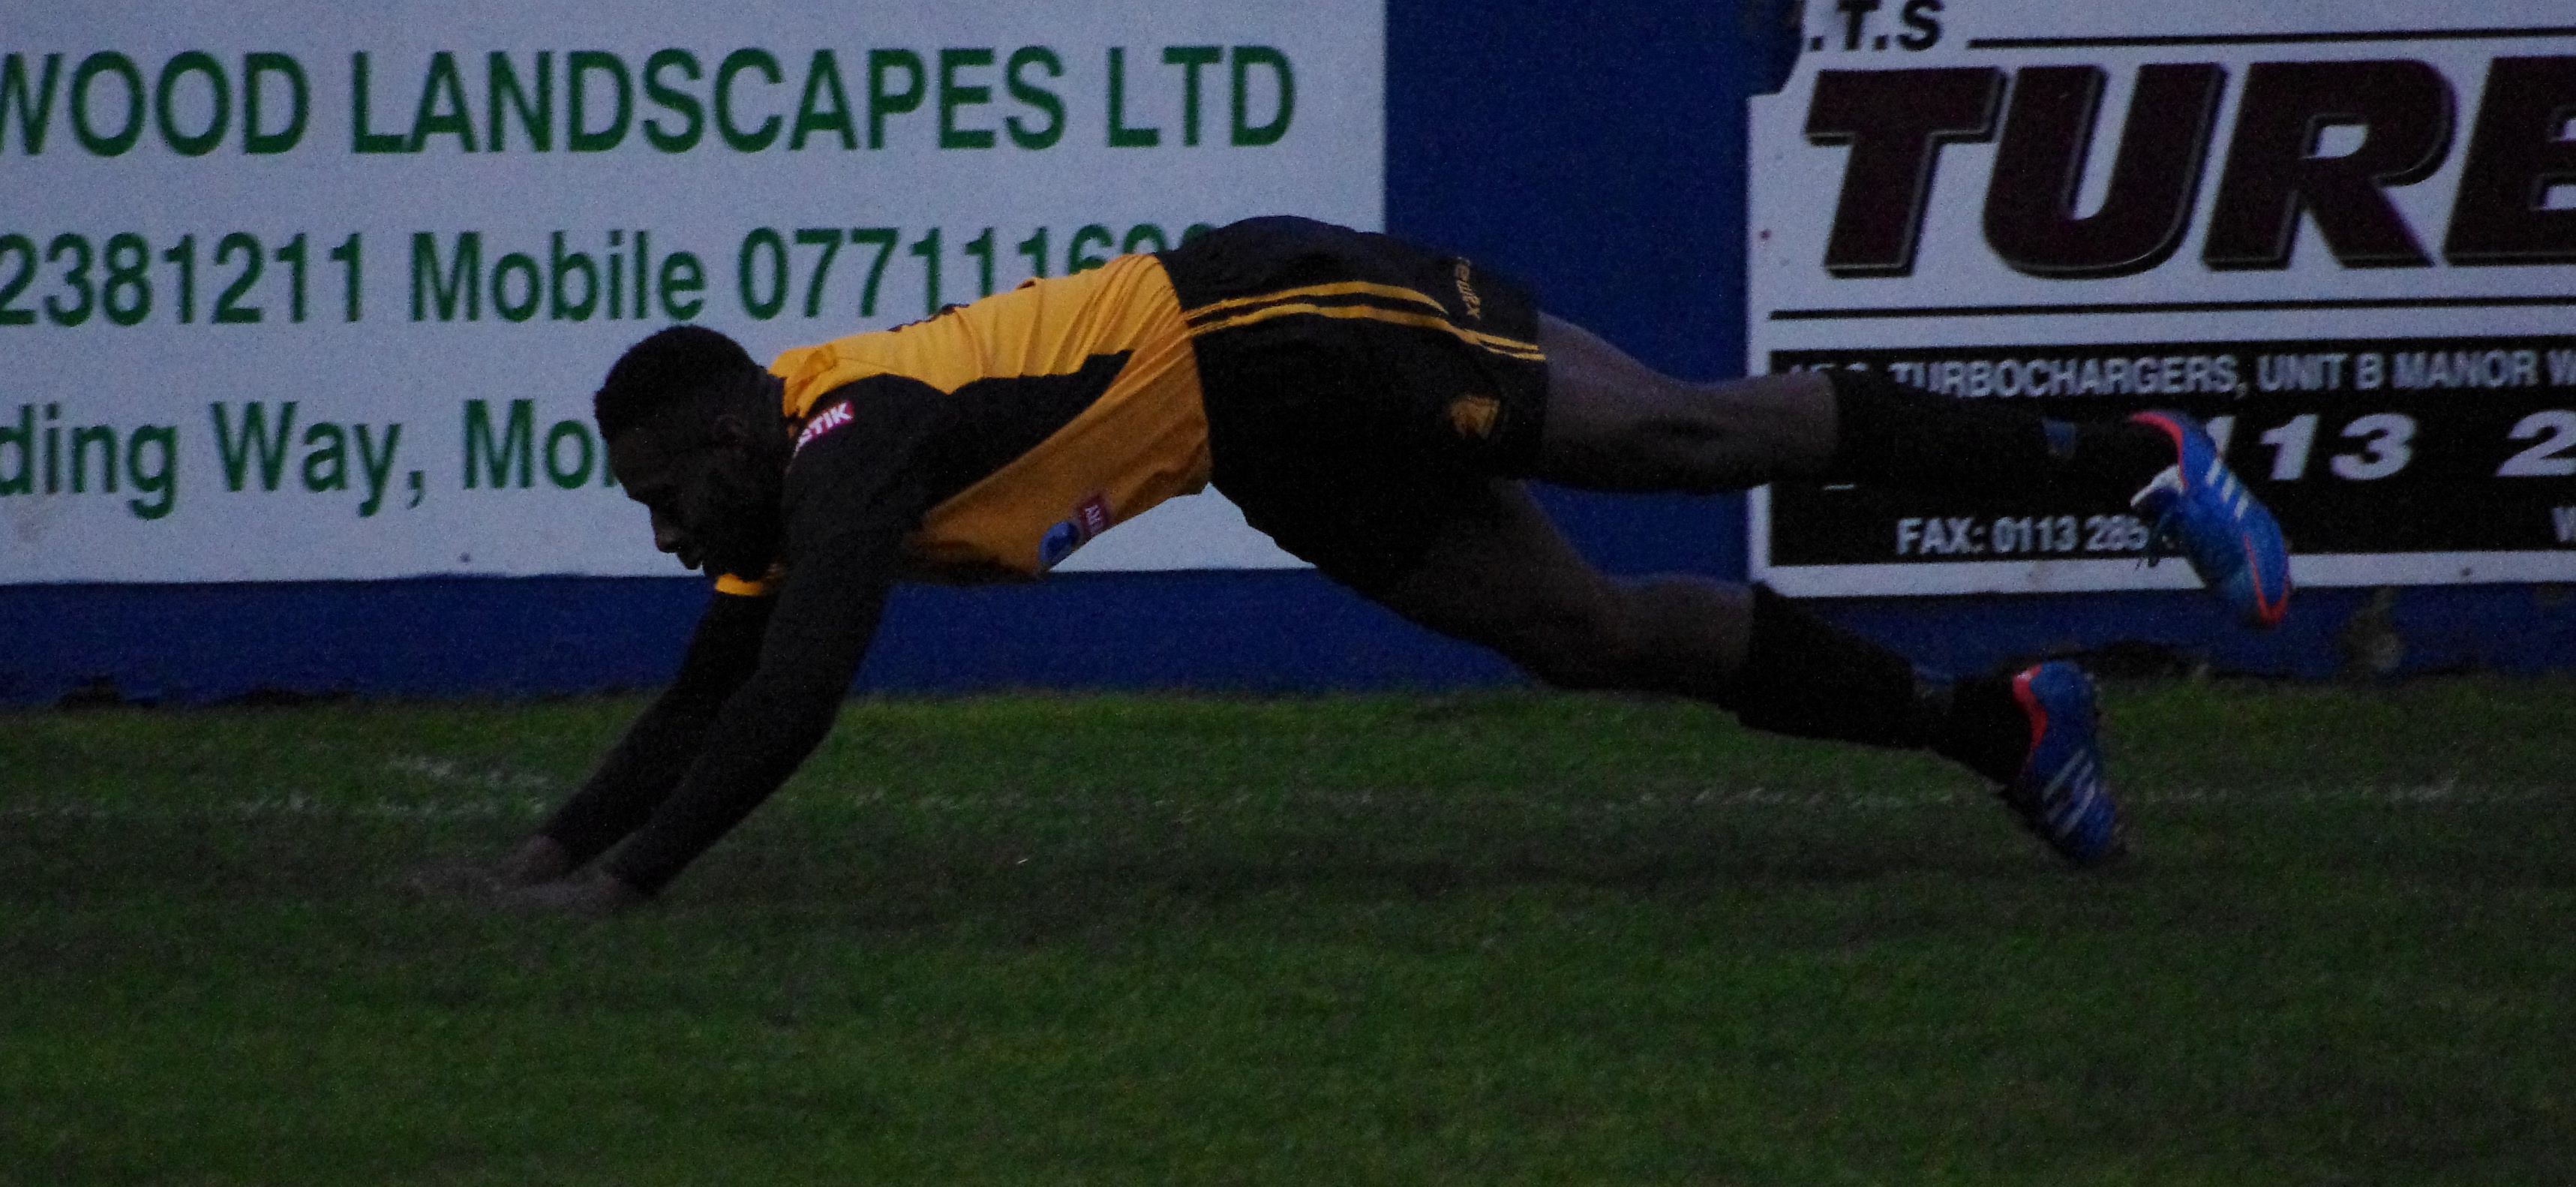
(852, 496)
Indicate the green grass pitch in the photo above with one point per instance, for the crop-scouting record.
(1494, 938)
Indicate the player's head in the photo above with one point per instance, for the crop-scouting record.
(683, 415)
(677, 367)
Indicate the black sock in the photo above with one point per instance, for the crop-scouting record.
(1986, 730)
(1806, 677)
(1891, 435)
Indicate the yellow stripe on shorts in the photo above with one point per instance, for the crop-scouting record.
(1507, 347)
(1349, 288)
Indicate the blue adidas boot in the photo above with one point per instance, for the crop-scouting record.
(2060, 793)
(2199, 509)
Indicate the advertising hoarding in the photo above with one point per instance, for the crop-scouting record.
(293, 291)
(2343, 236)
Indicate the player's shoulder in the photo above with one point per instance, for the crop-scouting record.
(874, 413)
(862, 455)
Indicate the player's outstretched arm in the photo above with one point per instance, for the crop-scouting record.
(826, 614)
(639, 772)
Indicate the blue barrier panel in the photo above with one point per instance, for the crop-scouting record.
(2411, 630)
(1263, 631)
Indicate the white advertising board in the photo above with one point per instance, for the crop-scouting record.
(293, 290)
(2344, 235)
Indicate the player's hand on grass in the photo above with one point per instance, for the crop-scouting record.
(538, 861)
(594, 895)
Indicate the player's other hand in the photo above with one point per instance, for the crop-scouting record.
(597, 896)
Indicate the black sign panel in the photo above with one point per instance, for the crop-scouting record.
(2361, 446)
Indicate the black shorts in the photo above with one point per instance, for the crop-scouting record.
(1361, 392)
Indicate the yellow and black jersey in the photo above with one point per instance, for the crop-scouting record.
(1039, 417)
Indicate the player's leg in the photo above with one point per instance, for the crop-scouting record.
(1496, 572)
(1613, 423)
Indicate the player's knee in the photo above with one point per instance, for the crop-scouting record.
(1580, 645)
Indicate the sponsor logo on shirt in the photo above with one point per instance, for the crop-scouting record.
(1088, 520)
(825, 421)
